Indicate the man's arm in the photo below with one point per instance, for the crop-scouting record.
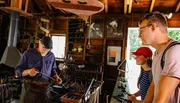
(133, 99)
(30, 72)
(21, 68)
(150, 94)
(54, 73)
(137, 94)
(54, 67)
(22, 65)
(165, 88)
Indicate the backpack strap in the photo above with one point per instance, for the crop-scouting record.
(164, 53)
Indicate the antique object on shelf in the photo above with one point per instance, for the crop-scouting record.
(71, 98)
(74, 49)
(76, 39)
(80, 49)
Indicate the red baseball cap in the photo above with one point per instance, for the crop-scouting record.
(143, 51)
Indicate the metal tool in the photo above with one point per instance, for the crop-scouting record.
(47, 76)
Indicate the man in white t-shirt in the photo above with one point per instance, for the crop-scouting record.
(164, 87)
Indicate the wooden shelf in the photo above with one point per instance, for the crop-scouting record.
(77, 55)
(96, 47)
(94, 55)
(95, 38)
(79, 42)
(10, 9)
(71, 37)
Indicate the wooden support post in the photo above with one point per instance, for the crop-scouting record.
(106, 6)
(178, 6)
(125, 6)
(152, 5)
(26, 6)
(130, 6)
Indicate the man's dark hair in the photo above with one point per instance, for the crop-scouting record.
(47, 42)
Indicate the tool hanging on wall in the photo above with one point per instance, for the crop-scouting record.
(89, 34)
(47, 26)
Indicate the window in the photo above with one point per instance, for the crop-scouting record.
(59, 46)
(132, 76)
(174, 33)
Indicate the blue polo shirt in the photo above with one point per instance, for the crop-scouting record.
(32, 59)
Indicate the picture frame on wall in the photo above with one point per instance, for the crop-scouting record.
(115, 27)
(95, 28)
(113, 55)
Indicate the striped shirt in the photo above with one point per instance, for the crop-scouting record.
(144, 84)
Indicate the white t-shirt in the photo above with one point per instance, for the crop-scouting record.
(171, 68)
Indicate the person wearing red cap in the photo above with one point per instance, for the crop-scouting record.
(153, 31)
(143, 58)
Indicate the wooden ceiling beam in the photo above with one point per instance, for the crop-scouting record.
(178, 7)
(36, 6)
(42, 5)
(125, 6)
(106, 6)
(152, 6)
(130, 6)
(49, 6)
(65, 12)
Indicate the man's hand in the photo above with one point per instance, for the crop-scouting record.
(32, 72)
(58, 79)
(131, 97)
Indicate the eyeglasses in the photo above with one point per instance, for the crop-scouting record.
(140, 29)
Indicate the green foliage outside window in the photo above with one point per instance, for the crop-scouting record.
(135, 41)
(175, 34)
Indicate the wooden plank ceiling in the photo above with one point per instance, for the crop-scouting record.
(112, 6)
(141, 6)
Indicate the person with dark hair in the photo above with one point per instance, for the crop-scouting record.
(31, 66)
(144, 59)
(153, 30)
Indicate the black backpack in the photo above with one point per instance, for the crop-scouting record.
(163, 55)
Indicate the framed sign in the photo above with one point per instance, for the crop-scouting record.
(113, 55)
(115, 27)
(96, 28)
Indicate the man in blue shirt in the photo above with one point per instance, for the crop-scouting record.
(34, 63)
